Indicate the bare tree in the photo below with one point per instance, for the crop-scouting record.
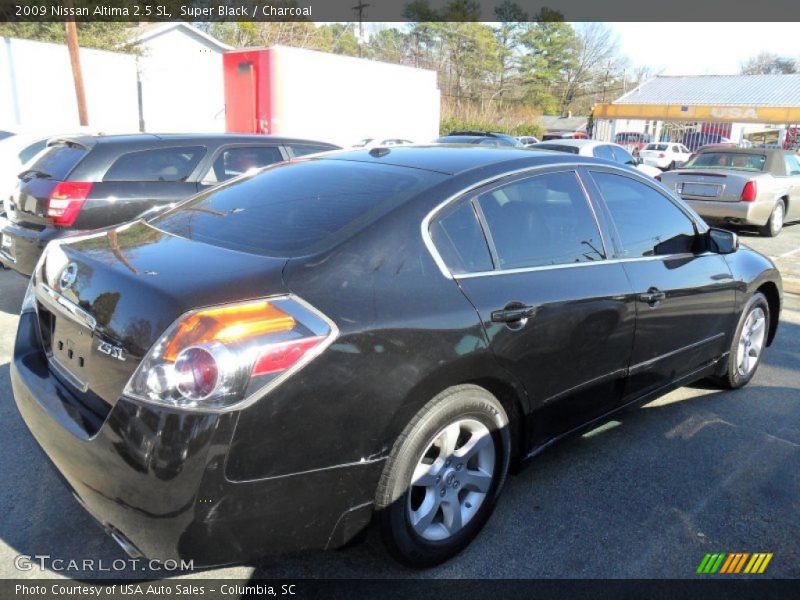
(767, 63)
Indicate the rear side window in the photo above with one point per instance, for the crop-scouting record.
(558, 148)
(540, 221)
(239, 160)
(792, 164)
(293, 209)
(303, 150)
(647, 222)
(59, 160)
(159, 164)
(459, 238)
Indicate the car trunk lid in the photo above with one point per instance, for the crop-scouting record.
(717, 186)
(104, 299)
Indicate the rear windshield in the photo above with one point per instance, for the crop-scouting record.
(295, 208)
(558, 148)
(58, 160)
(661, 147)
(727, 160)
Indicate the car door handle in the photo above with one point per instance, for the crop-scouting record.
(652, 296)
(513, 312)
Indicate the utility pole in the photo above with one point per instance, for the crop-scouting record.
(359, 8)
(75, 60)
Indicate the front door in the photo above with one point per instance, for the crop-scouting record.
(684, 296)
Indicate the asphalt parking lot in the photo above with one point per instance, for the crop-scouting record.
(645, 496)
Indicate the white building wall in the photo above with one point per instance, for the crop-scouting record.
(37, 91)
(182, 83)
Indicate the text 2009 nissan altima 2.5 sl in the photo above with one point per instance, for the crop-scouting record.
(369, 334)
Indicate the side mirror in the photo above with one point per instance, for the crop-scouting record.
(721, 241)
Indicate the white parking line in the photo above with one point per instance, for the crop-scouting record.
(790, 253)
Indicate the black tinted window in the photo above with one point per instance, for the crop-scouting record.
(302, 150)
(647, 222)
(239, 160)
(59, 160)
(295, 208)
(162, 164)
(544, 220)
(558, 148)
(459, 238)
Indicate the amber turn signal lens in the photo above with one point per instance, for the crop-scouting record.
(227, 324)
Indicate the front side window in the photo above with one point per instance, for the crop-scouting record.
(161, 164)
(459, 238)
(540, 221)
(239, 160)
(647, 222)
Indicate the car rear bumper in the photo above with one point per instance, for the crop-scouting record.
(155, 478)
(732, 213)
(21, 247)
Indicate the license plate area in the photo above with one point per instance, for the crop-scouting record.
(70, 350)
(702, 190)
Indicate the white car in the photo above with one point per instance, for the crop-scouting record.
(528, 140)
(15, 151)
(607, 150)
(665, 155)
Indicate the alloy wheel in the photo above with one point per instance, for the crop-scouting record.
(751, 341)
(451, 480)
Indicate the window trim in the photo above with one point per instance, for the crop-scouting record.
(594, 197)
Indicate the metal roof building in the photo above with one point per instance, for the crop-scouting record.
(719, 98)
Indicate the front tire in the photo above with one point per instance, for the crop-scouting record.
(749, 341)
(443, 476)
(775, 223)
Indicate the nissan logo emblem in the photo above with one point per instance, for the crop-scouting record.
(68, 276)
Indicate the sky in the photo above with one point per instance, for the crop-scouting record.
(703, 48)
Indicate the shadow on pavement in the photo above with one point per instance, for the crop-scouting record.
(12, 291)
(692, 473)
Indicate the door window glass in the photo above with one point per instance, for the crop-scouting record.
(647, 222)
(239, 160)
(544, 220)
(161, 164)
(460, 241)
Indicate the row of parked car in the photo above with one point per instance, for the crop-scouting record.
(88, 182)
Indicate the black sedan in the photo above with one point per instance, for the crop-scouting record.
(84, 183)
(362, 334)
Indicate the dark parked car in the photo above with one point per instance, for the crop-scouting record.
(89, 182)
(481, 138)
(270, 364)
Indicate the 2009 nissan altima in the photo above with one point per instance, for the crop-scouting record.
(369, 335)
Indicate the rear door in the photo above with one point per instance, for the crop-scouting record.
(684, 299)
(793, 175)
(558, 315)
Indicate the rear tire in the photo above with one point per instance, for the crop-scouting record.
(748, 343)
(671, 166)
(775, 223)
(443, 476)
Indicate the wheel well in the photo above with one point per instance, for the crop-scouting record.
(770, 291)
(512, 404)
(785, 205)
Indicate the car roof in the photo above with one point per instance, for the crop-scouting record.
(149, 138)
(455, 159)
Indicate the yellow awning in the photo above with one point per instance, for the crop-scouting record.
(721, 114)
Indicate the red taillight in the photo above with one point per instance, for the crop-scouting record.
(196, 373)
(657, 178)
(279, 357)
(66, 202)
(750, 191)
(661, 155)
